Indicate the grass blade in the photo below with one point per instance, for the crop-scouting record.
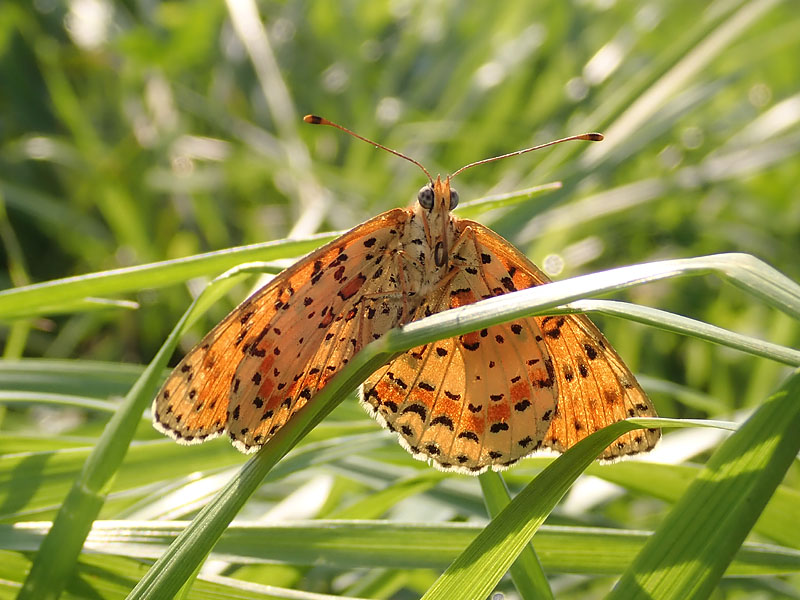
(23, 301)
(477, 570)
(684, 325)
(347, 544)
(526, 572)
(58, 555)
(696, 542)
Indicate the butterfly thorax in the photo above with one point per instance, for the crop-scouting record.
(429, 236)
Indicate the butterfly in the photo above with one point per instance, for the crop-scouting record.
(477, 401)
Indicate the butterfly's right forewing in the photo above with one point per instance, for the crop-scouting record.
(490, 397)
(595, 388)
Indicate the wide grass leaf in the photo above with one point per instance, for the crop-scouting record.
(699, 537)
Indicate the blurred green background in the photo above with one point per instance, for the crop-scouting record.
(138, 131)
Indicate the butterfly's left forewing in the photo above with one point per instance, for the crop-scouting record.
(266, 359)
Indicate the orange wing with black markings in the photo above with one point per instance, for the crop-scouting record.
(275, 350)
(491, 397)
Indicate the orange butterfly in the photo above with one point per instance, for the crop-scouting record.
(480, 400)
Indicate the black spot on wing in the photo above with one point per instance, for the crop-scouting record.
(443, 420)
(416, 408)
(469, 435)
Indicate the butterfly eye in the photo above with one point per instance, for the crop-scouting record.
(425, 197)
(453, 199)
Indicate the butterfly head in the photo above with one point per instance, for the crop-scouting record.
(437, 196)
(432, 208)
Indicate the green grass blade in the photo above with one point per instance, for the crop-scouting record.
(57, 557)
(526, 572)
(23, 301)
(347, 544)
(35, 483)
(669, 482)
(477, 570)
(28, 398)
(77, 377)
(377, 504)
(474, 208)
(748, 272)
(695, 543)
(686, 326)
(106, 577)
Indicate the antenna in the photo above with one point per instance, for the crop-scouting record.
(315, 120)
(589, 137)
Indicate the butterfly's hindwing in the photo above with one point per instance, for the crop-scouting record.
(480, 399)
(488, 398)
(595, 388)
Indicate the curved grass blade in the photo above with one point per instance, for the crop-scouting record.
(526, 572)
(58, 555)
(696, 542)
(679, 324)
(28, 300)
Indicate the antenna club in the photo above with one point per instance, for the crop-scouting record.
(588, 137)
(315, 120)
